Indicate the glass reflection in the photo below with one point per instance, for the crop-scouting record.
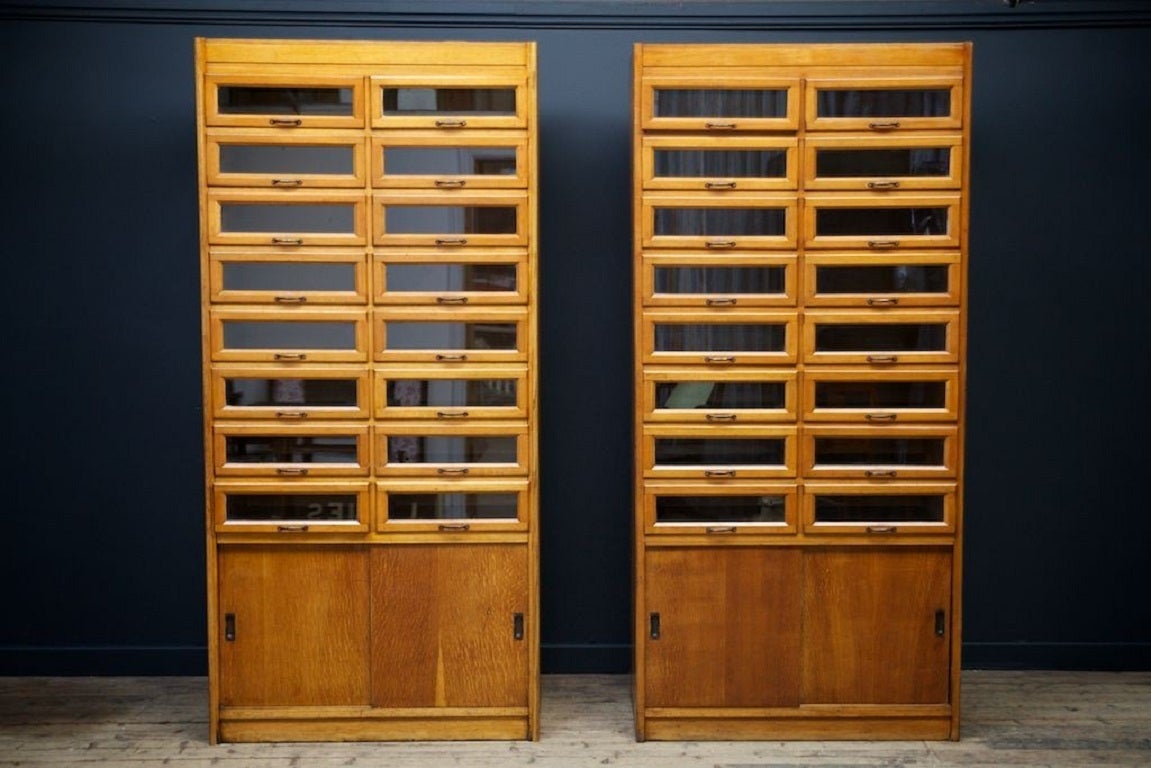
(450, 219)
(417, 335)
(721, 163)
(450, 161)
(720, 509)
(448, 393)
(328, 218)
(720, 102)
(899, 102)
(861, 163)
(450, 101)
(719, 451)
(401, 278)
(453, 506)
(741, 280)
(452, 449)
(294, 507)
(291, 449)
(872, 451)
(895, 278)
(879, 509)
(881, 337)
(720, 337)
(271, 392)
(259, 334)
(702, 222)
(720, 394)
(287, 158)
(288, 276)
(257, 100)
(880, 394)
(880, 221)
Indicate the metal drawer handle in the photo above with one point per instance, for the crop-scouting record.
(721, 529)
(455, 527)
(451, 358)
(451, 414)
(451, 470)
(287, 241)
(720, 126)
(884, 126)
(719, 359)
(291, 471)
(719, 473)
(451, 299)
(719, 185)
(881, 529)
(284, 122)
(451, 123)
(883, 185)
(719, 244)
(721, 417)
(291, 414)
(451, 241)
(724, 302)
(289, 356)
(883, 359)
(882, 301)
(881, 245)
(292, 528)
(449, 183)
(287, 182)
(880, 473)
(291, 299)
(881, 417)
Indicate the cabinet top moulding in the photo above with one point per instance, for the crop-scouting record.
(367, 53)
(912, 55)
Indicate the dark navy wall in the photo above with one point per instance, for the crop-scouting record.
(101, 543)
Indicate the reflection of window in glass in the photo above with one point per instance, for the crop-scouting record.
(897, 102)
(719, 102)
(901, 508)
(720, 509)
(450, 101)
(268, 392)
(449, 393)
(450, 219)
(274, 334)
(755, 280)
(255, 100)
(701, 222)
(725, 163)
(328, 218)
(450, 161)
(288, 276)
(415, 335)
(881, 221)
(897, 278)
(723, 451)
(291, 449)
(290, 507)
(720, 337)
(453, 506)
(402, 278)
(873, 451)
(287, 158)
(455, 449)
(720, 394)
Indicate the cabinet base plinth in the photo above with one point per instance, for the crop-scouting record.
(803, 726)
(374, 726)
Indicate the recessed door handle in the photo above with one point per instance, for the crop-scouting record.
(517, 626)
(230, 627)
(940, 623)
(653, 628)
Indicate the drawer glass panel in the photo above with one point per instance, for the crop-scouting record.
(451, 449)
(273, 334)
(268, 100)
(275, 392)
(325, 218)
(720, 280)
(420, 101)
(438, 277)
(706, 510)
(451, 393)
(724, 395)
(291, 449)
(292, 276)
(721, 163)
(895, 508)
(720, 451)
(881, 394)
(431, 335)
(450, 161)
(887, 102)
(703, 222)
(880, 451)
(881, 337)
(453, 506)
(290, 507)
(913, 162)
(327, 160)
(831, 222)
(884, 278)
(450, 219)
(720, 337)
(720, 102)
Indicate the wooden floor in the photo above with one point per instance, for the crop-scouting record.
(1057, 719)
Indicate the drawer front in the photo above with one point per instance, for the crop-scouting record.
(879, 509)
(287, 276)
(291, 509)
(474, 160)
(715, 163)
(745, 395)
(880, 453)
(707, 452)
(259, 158)
(882, 221)
(884, 104)
(450, 219)
(880, 397)
(452, 335)
(882, 279)
(451, 394)
(744, 103)
(284, 102)
(290, 450)
(881, 337)
(475, 277)
(719, 337)
(286, 217)
(719, 221)
(452, 450)
(720, 509)
(289, 335)
(706, 279)
(870, 162)
(290, 393)
(452, 506)
(492, 98)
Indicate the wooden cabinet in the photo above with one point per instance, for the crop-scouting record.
(368, 252)
(800, 310)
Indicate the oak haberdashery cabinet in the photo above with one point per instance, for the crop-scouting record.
(800, 251)
(368, 252)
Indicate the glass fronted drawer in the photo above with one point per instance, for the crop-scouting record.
(461, 506)
(714, 452)
(287, 217)
(743, 395)
(879, 453)
(296, 335)
(290, 393)
(451, 335)
(879, 509)
(884, 104)
(456, 393)
(882, 221)
(284, 101)
(485, 97)
(880, 397)
(451, 450)
(704, 279)
(745, 102)
(719, 337)
(720, 509)
(477, 159)
(716, 163)
(425, 276)
(259, 158)
(246, 275)
(864, 161)
(291, 508)
(290, 450)
(881, 337)
(879, 279)
(719, 222)
(450, 219)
